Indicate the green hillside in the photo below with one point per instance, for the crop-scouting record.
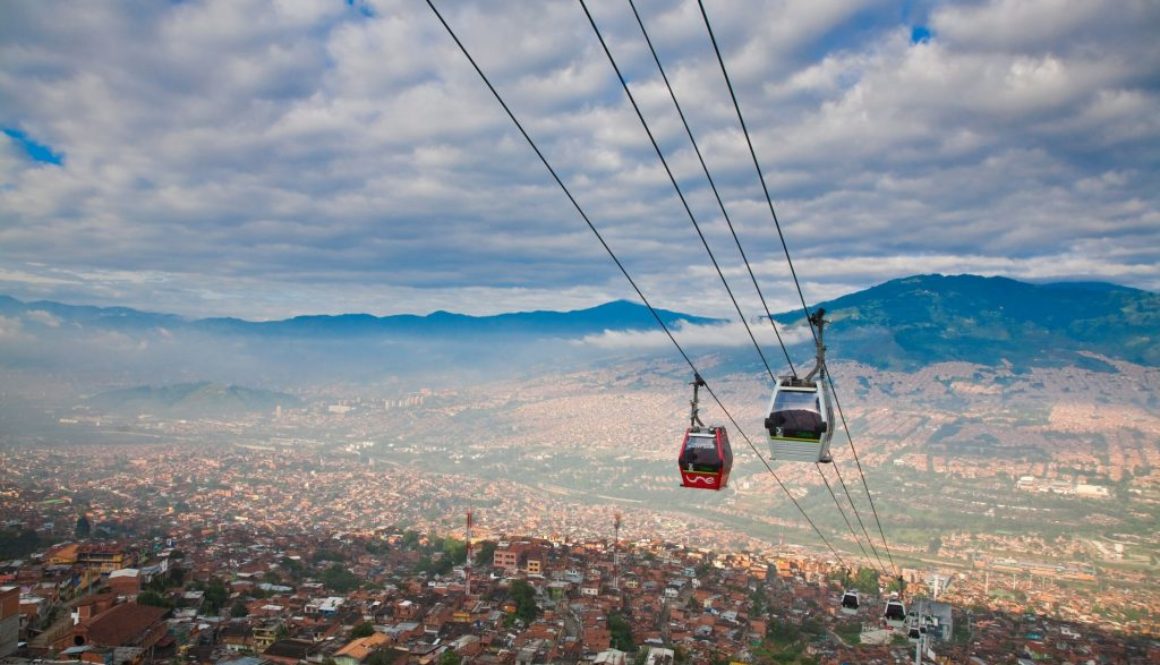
(192, 400)
(915, 321)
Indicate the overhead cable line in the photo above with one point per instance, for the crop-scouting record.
(627, 276)
(842, 414)
(728, 221)
(789, 262)
(713, 185)
(857, 514)
(841, 511)
(680, 194)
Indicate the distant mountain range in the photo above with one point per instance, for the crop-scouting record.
(901, 324)
(618, 315)
(191, 400)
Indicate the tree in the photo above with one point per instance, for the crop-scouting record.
(449, 657)
(324, 554)
(239, 609)
(525, 597)
(84, 528)
(934, 546)
(339, 579)
(758, 605)
(897, 584)
(215, 596)
(455, 550)
(485, 554)
(383, 657)
(410, 539)
(621, 632)
(18, 544)
(364, 629)
(866, 581)
(153, 599)
(293, 567)
(435, 565)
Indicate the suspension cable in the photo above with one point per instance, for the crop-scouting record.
(865, 485)
(680, 194)
(756, 164)
(858, 515)
(627, 276)
(744, 258)
(841, 511)
(789, 262)
(712, 185)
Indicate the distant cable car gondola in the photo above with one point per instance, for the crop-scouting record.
(800, 418)
(850, 601)
(895, 614)
(706, 458)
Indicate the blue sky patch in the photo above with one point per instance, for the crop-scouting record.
(920, 34)
(37, 151)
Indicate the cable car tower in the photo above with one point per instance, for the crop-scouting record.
(800, 418)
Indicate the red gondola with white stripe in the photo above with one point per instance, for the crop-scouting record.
(706, 458)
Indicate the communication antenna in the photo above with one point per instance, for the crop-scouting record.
(616, 551)
(467, 564)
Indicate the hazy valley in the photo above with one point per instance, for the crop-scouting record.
(1029, 468)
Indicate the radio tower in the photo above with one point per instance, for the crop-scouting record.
(467, 564)
(616, 552)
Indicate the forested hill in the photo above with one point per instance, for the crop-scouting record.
(919, 320)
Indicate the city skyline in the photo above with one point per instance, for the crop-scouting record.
(265, 160)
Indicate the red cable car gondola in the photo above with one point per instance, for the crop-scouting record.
(706, 458)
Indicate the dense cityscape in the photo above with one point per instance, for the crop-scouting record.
(288, 554)
(332, 530)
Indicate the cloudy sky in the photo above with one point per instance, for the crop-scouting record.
(267, 158)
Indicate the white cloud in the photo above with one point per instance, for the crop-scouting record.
(12, 330)
(691, 336)
(43, 318)
(271, 158)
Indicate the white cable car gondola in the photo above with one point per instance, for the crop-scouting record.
(800, 418)
(895, 614)
(850, 601)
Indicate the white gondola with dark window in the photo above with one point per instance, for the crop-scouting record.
(850, 601)
(800, 418)
(895, 614)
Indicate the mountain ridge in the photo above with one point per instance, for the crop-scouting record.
(202, 398)
(615, 315)
(921, 319)
(901, 324)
